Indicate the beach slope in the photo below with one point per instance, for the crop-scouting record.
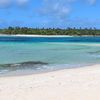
(69, 84)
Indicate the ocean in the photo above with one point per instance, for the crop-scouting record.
(40, 54)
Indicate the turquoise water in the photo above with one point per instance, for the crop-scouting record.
(57, 55)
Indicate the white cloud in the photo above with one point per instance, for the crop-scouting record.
(56, 8)
(9, 3)
(55, 4)
(22, 2)
(5, 3)
(92, 2)
(59, 8)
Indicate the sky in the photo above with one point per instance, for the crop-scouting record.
(50, 13)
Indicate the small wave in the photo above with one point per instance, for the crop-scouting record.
(22, 65)
(3, 71)
(34, 67)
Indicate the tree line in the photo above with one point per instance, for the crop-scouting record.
(51, 31)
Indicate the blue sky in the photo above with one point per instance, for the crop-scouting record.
(50, 13)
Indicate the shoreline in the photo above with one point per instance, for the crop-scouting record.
(26, 35)
(23, 35)
(68, 84)
(29, 72)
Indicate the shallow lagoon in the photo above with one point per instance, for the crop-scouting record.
(51, 53)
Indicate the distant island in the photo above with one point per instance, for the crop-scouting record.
(51, 31)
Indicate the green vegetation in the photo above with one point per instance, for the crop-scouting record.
(50, 31)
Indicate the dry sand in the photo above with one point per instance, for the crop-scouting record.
(69, 84)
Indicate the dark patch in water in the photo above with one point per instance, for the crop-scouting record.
(95, 52)
(23, 65)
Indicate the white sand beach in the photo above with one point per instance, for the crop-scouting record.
(69, 84)
(22, 35)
